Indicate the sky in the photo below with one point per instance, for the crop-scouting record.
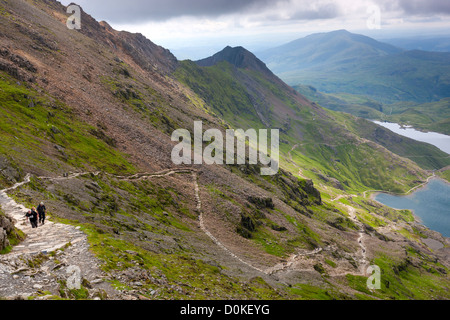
(194, 29)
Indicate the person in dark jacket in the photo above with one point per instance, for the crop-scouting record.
(33, 216)
(28, 215)
(41, 210)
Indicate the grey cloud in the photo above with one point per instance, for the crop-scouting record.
(135, 11)
(303, 10)
(138, 11)
(418, 7)
(326, 11)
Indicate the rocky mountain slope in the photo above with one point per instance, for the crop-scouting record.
(89, 115)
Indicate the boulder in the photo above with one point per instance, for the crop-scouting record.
(4, 242)
(9, 171)
(6, 227)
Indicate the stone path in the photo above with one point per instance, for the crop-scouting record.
(46, 238)
(30, 270)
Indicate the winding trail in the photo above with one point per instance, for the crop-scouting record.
(58, 235)
(300, 172)
(61, 234)
(203, 228)
(365, 262)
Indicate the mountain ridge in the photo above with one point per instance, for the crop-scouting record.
(337, 47)
(337, 62)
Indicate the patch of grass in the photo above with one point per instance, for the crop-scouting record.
(416, 277)
(309, 292)
(330, 263)
(197, 278)
(32, 122)
(445, 174)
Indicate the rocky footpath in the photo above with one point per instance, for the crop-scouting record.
(53, 261)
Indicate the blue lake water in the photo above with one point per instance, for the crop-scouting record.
(439, 140)
(430, 203)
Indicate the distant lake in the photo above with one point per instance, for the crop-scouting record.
(439, 140)
(430, 203)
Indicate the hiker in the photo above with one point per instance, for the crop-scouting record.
(41, 210)
(27, 215)
(33, 216)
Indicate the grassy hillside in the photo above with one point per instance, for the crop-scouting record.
(357, 105)
(323, 146)
(41, 134)
(410, 76)
(431, 116)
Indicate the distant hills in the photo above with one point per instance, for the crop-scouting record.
(341, 61)
(437, 44)
(431, 116)
(324, 49)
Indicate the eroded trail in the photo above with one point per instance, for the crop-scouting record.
(364, 262)
(203, 228)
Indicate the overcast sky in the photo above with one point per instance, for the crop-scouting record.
(184, 26)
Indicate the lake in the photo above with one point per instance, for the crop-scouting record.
(430, 203)
(439, 140)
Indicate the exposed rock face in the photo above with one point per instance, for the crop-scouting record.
(8, 172)
(6, 227)
(310, 189)
(302, 191)
(261, 202)
(143, 52)
(16, 65)
(335, 182)
(3, 239)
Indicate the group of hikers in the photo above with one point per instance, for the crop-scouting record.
(36, 215)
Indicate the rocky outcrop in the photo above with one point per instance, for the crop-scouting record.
(142, 51)
(301, 191)
(334, 182)
(16, 65)
(6, 227)
(310, 189)
(261, 202)
(8, 171)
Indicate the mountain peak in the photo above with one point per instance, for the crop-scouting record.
(328, 48)
(237, 56)
(341, 31)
